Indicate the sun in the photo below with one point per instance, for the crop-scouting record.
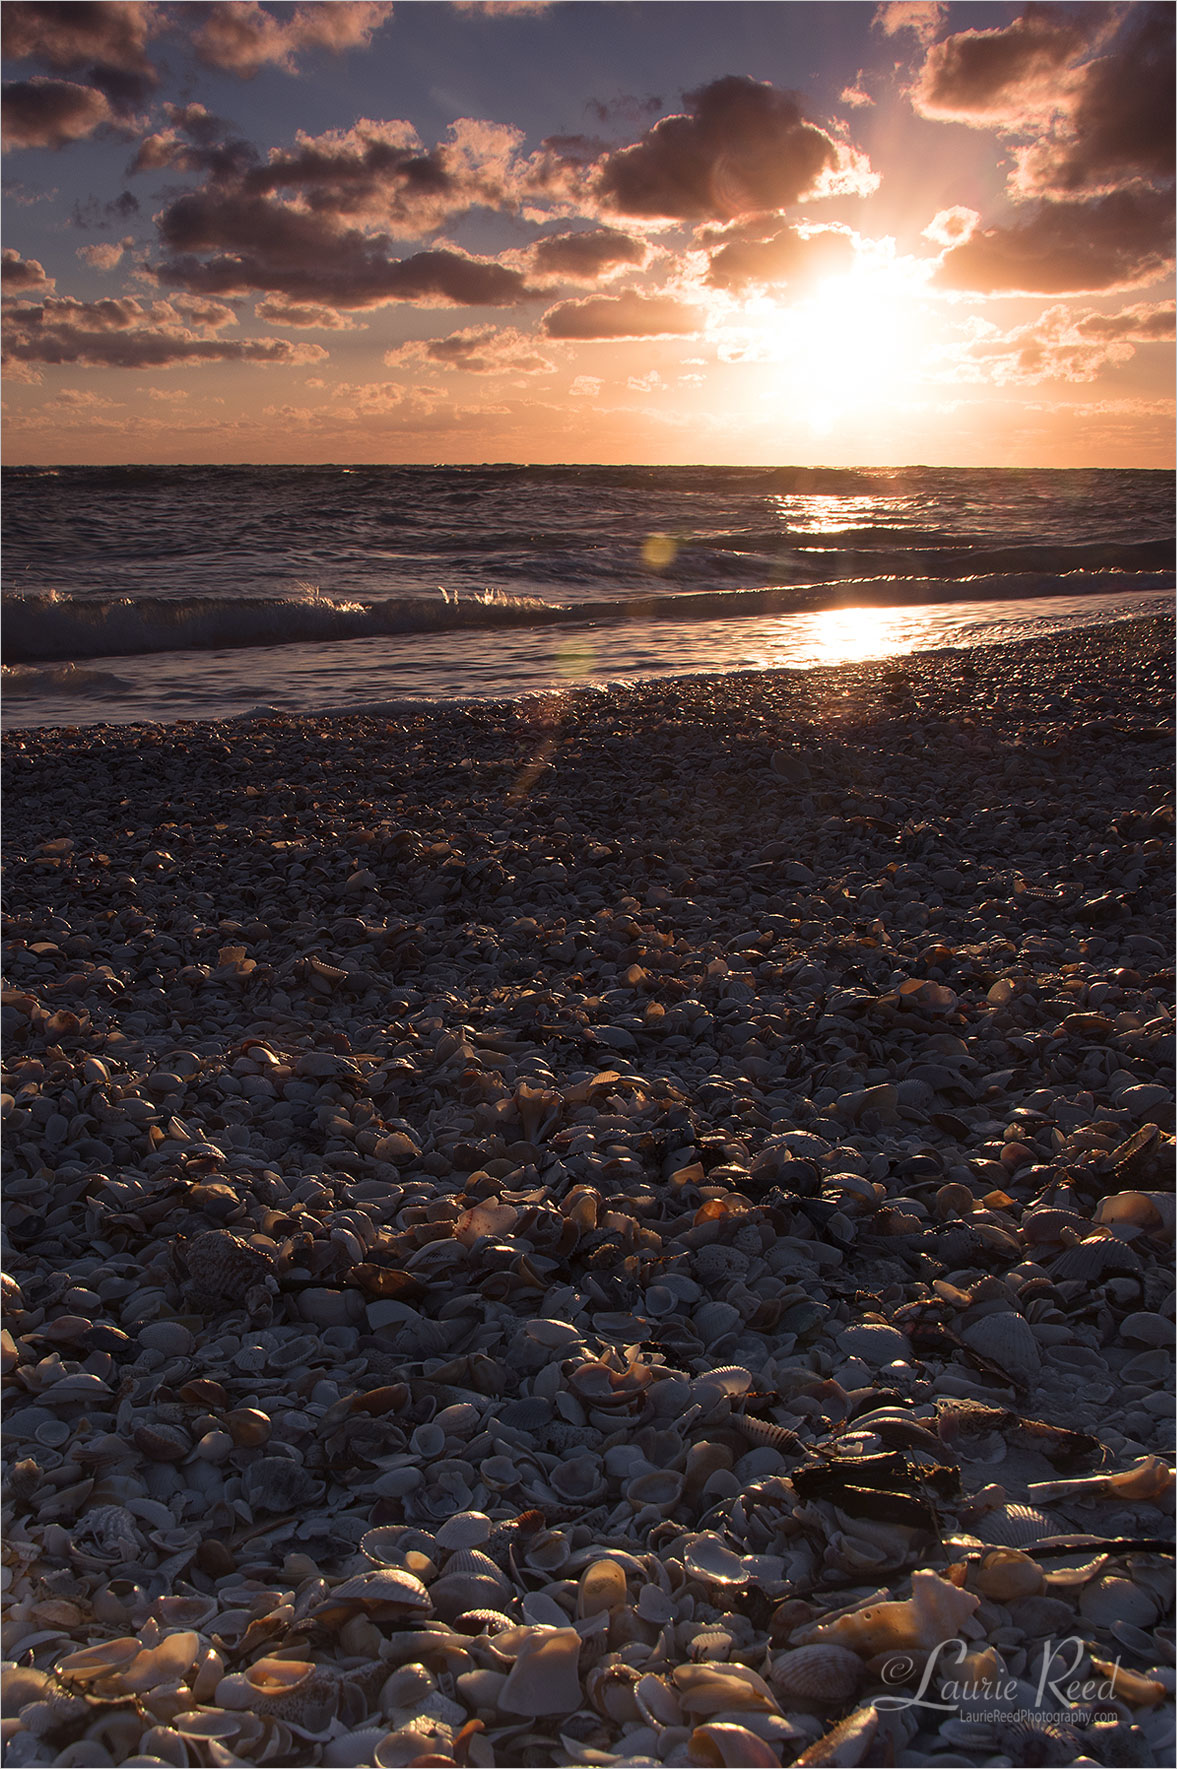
(856, 345)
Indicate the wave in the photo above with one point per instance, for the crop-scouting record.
(50, 628)
(25, 681)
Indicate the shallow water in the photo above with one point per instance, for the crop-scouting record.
(344, 675)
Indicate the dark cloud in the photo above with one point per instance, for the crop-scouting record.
(122, 333)
(263, 246)
(625, 108)
(93, 214)
(628, 315)
(195, 140)
(1120, 241)
(107, 41)
(241, 37)
(479, 350)
(785, 257)
(52, 113)
(741, 146)
(586, 257)
(1004, 74)
(22, 276)
(1121, 121)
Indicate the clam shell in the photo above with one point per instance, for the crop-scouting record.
(1007, 1340)
(824, 1674)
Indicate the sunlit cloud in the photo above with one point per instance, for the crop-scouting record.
(23, 276)
(123, 333)
(478, 350)
(1120, 241)
(921, 17)
(241, 37)
(628, 315)
(52, 113)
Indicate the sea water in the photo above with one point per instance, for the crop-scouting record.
(141, 593)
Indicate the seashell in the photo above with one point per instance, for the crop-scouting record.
(223, 1270)
(1016, 1526)
(274, 1483)
(719, 1689)
(468, 1529)
(545, 1677)
(1109, 1600)
(707, 1557)
(845, 1745)
(1006, 1574)
(162, 1443)
(103, 1660)
(657, 1702)
(723, 1745)
(579, 1480)
(1007, 1340)
(660, 1489)
(821, 1674)
(302, 1695)
(936, 1611)
(390, 1585)
(248, 1427)
(602, 1589)
(1095, 1259)
(1131, 1687)
(1148, 1480)
(169, 1662)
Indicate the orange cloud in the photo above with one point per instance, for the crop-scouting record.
(122, 333)
(240, 37)
(479, 350)
(1120, 241)
(52, 113)
(628, 315)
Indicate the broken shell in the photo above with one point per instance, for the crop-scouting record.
(1006, 1574)
(544, 1678)
(724, 1745)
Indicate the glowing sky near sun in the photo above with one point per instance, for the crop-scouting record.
(761, 232)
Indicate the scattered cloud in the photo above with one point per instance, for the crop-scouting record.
(279, 312)
(123, 333)
(1060, 345)
(587, 257)
(948, 227)
(628, 315)
(922, 17)
(855, 96)
(1120, 241)
(586, 387)
(107, 255)
(1008, 75)
(479, 350)
(240, 37)
(740, 146)
(52, 113)
(23, 276)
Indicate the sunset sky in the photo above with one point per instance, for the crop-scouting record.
(773, 232)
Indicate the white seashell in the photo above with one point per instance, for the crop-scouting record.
(468, 1529)
(1109, 1600)
(662, 1489)
(936, 1611)
(722, 1743)
(545, 1678)
(1006, 1574)
(718, 1689)
(1016, 1526)
(602, 1588)
(707, 1557)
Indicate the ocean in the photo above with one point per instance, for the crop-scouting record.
(170, 593)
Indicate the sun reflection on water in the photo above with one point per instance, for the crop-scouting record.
(839, 635)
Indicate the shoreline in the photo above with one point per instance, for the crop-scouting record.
(473, 1172)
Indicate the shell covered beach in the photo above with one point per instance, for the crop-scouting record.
(619, 1227)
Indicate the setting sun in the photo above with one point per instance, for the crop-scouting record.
(855, 344)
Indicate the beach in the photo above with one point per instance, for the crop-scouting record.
(593, 1227)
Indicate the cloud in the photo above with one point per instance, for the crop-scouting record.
(106, 255)
(479, 350)
(741, 146)
(789, 256)
(122, 333)
(1096, 121)
(587, 257)
(280, 312)
(923, 17)
(629, 315)
(948, 227)
(23, 276)
(1009, 74)
(52, 113)
(855, 96)
(107, 40)
(1120, 124)
(1060, 345)
(1120, 241)
(586, 387)
(240, 37)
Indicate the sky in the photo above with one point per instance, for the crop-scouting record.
(850, 234)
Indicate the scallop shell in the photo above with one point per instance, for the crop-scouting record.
(825, 1674)
(1093, 1260)
(223, 1269)
(1007, 1340)
(1016, 1526)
